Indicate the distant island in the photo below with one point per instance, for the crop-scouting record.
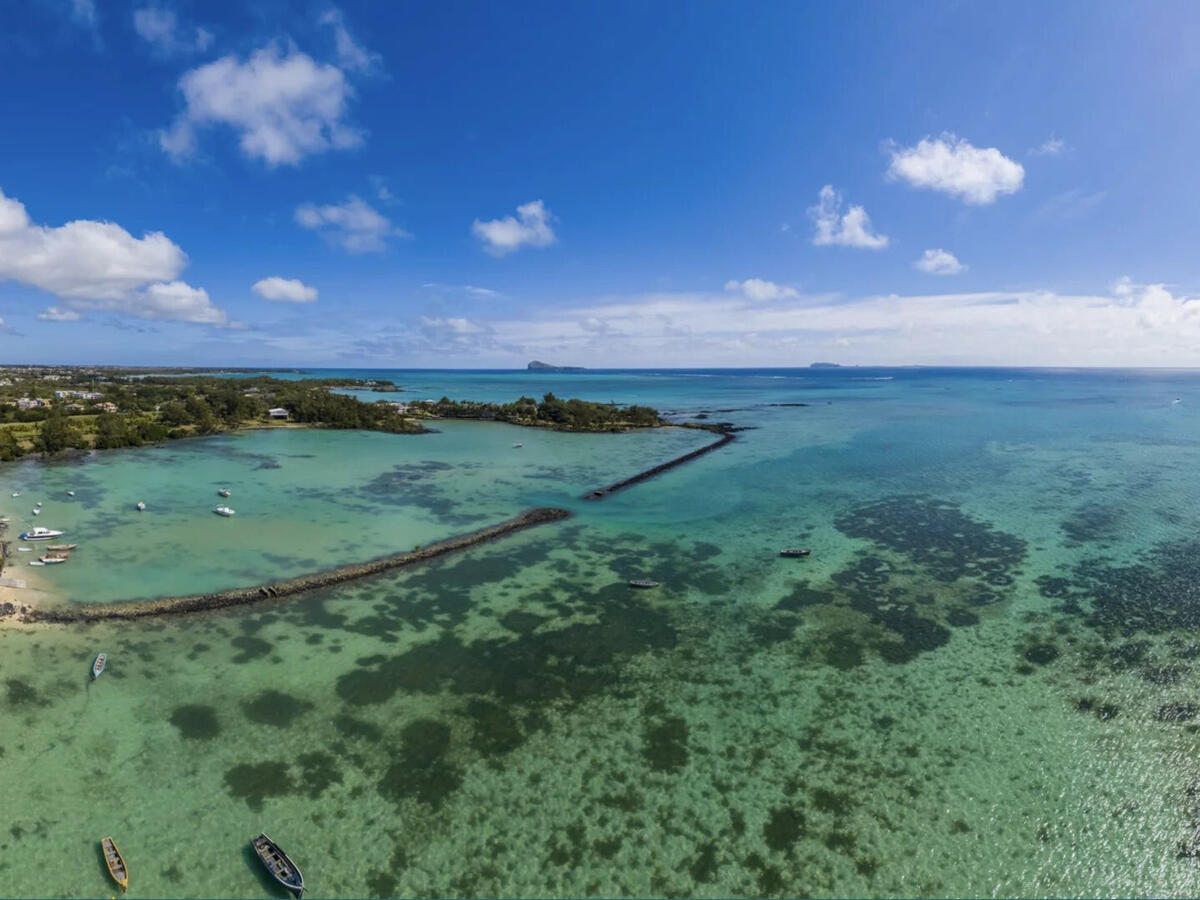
(538, 366)
(824, 365)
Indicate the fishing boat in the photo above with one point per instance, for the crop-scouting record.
(225, 492)
(643, 583)
(518, 446)
(114, 860)
(40, 534)
(795, 551)
(54, 559)
(279, 864)
(98, 665)
(141, 505)
(62, 548)
(225, 511)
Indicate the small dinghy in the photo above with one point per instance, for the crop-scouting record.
(54, 559)
(518, 446)
(225, 492)
(60, 548)
(141, 506)
(98, 665)
(795, 551)
(36, 562)
(25, 549)
(37, 510)
(643, 583)
(225, 511)
(70, 493)
(115, 861)
(16, 493)
(279, 864)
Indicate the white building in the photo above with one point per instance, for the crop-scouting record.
(277, 413)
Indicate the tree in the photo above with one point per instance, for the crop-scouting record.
(57, 433)
(9, 448)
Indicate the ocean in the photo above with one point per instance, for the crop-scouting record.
(981, 682)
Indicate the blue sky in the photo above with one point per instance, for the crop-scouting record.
(460, 184)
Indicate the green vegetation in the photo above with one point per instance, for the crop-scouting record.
(551, 412)
(51, 410)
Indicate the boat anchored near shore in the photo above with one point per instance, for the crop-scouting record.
(40, 534)
(98, 665)
(225, 511)
(115, 862)
(643, 583)
(795, 551)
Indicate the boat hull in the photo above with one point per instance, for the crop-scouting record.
(115, 862)
(278, 864)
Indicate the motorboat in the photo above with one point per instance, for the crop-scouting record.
(225, 511)
(37, 510)
(795, 551)
(518, 446)
(70, 493)
(115, 862)
(16, 493)
(40, 534)
(279, 864)
(141, 506)
(225, 492)
(98, 665)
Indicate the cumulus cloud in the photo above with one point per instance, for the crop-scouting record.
(853, 229)
(282, 104)
(286, 290)
(161, 29)
(100, 265)
(953, 166)
(57, 314)
(354, 225)
(351, 55)
(939, 262)
(760, 289)
(531, 227)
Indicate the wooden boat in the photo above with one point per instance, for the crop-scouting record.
(795, 551)
(62, 548)
(114, 860)
(279, 864)
(98, 665)
(53, 559)
(643, 583)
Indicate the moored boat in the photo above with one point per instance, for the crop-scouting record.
(795, 551)
(141, 505)
(40, 534)
(115, 861)
(70, 493)
(62, 548)
(279, 864)
(643, 583)
(51, 559)
(98, 665)
(225, 492)
(225, 511)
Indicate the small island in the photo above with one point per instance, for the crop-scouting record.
(824, 365)
(538, 366)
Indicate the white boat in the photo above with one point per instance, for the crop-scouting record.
(225, 492)
(141, 505)
(225, 511)
(16, 493)
(25, 549)
(37, 510)
(52, 560)
(70, 493)
(40, 534)
(518, 446)
(98, 665)
(36, 562)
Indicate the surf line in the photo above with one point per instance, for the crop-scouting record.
(727, 436)
(194, 603)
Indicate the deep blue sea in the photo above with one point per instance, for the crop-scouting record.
(982, 681)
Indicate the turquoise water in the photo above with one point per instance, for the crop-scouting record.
(981, 682)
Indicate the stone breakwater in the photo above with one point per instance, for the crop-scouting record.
(169, 606)
(727, 436)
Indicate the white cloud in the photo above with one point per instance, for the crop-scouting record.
(1068, 206)
(953, 166)
(351, 56)
(287, 290)
(83, 12)
(451, 325)
(283, 105)
(939, 262)
(502, 236)
(100, 265)
(354, 225)
(161, 29)
(760, 289)
(1052, 146)
(850, 230)
(57, 314)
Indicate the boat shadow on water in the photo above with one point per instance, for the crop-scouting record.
(102, 872)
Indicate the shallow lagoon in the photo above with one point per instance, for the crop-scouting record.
(981, 682)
